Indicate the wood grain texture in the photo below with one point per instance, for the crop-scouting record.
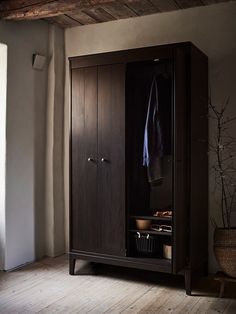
(45, 287)
(45, 8)
(111, 147)
(199, 156)
(99, 14)
(119, 10)
(113, 130)
(63, 21)
(91, 11)
(34, 10)
(123, 56)
(181, 210)
(84, 173)
(184, 4)
(152, 264)
(98, 188)
(9, 5)
(164, 6)
(82, 18)
(143, 7)
(213, 1)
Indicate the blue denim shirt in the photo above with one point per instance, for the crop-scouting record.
(153, 146)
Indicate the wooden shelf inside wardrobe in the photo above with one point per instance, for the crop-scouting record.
(151, 218)
(163, 233)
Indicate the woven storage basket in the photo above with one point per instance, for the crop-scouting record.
(147, 244)
(225, 250)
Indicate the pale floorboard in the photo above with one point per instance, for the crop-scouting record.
(46, 287)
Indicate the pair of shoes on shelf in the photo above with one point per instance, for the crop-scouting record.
(164, 228)
(166, 213)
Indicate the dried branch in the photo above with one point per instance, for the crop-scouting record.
(223, 147)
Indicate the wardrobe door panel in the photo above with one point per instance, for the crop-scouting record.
(84, 215)
(181, 153)
(111, 157)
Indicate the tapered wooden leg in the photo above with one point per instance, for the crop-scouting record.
(188, 281)
(72, 265)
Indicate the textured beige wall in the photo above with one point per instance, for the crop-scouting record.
(211, 28)
(54, 171)
(34, 220)
(25, 148)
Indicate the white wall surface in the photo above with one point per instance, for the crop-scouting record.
(211, 28)
(25, 169)
(3, 106)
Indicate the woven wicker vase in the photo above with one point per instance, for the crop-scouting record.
(225, 250)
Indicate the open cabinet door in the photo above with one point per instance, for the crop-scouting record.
(181, 184)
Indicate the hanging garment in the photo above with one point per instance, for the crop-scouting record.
(153, 146)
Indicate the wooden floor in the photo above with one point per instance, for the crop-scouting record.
(46, 287)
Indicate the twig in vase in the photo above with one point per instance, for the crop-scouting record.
(223, 147)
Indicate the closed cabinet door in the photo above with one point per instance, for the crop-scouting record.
(98, 160)
(111, 156)
(84, 216)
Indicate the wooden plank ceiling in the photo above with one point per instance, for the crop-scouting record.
(69, 13)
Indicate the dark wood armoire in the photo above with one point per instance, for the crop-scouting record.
(109, 185)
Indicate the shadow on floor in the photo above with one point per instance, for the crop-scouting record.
(202, 286)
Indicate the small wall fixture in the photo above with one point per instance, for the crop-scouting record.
(38, 62)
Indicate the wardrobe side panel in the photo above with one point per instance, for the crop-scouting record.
(199, 160)
(84, 215)
(181, 164)
(111, 158)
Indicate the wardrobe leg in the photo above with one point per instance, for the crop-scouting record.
(72, 265)
(188, 281)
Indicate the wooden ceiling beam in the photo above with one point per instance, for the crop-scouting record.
(35, 9)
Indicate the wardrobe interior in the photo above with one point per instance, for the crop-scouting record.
(149, 124)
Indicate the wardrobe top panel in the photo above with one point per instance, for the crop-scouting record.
(131, 55)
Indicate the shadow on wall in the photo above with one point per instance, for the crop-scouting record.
(40, 82)
(3, 91)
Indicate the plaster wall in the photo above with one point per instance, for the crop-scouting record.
(25, 145)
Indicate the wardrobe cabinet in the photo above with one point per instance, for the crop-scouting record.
(110, 187)
(98, 159)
